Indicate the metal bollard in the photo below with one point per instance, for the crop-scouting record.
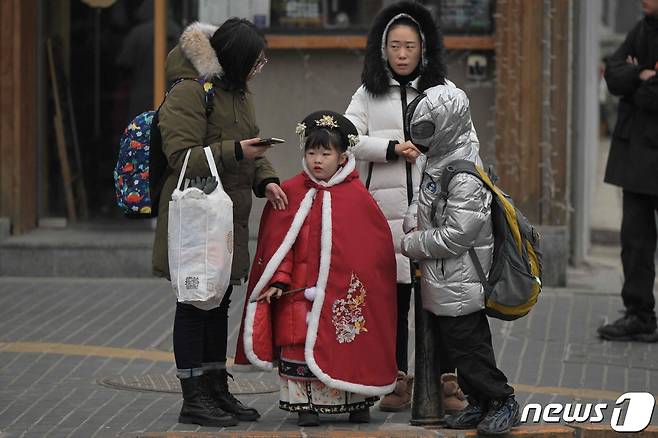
(427, 406)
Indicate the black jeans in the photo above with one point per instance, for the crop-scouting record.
(402, 344)
(467, 340)
(638, 249)
(200, 336)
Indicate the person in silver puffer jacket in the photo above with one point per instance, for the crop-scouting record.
(448, 228)
(440, 229)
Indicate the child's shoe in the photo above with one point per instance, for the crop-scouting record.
(400, 398)
(308, 419)
(361, 416)
(454, 399)
(468, 418)
(501, 417)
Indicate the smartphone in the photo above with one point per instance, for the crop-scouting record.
(269, 141)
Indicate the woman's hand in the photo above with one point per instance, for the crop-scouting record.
(408, 151)
(273, 292)
(275, 194)
(645, 75)
(250, 152)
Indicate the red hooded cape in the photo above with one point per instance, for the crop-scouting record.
(351, 328)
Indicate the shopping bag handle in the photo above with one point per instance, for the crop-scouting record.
(211, 164)
(182, 172)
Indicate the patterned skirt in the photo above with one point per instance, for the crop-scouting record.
(302, 391)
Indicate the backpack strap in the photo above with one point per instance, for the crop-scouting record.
(208, 87)
(481, 274)
(452, 169)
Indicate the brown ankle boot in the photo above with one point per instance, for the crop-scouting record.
(400, 398)
(453, 397)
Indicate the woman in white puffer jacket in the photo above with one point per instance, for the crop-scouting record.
(404, 57)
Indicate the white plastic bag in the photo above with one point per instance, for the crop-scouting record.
(200, 241)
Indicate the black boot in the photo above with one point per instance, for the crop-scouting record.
(360, 416)
(308, 419)
(217, 381)
(200, 408)
(631, 327)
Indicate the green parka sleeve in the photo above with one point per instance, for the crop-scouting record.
(264, 175)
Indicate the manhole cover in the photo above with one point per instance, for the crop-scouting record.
(170, 383)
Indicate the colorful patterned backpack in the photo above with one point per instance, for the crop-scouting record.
(141, 168)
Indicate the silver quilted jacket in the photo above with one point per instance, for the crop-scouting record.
(446, 227)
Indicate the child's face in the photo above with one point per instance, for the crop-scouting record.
(323, 163)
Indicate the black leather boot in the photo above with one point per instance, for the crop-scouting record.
(217, 382)
(200, 408)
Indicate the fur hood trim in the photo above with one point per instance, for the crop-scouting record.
(376, 74)
(195, 44)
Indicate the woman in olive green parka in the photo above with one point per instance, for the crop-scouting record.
(228, 56)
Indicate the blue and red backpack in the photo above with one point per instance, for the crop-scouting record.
(141, 168)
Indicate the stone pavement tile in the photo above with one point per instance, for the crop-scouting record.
(594, 375)
(131, 402)
(54, 413)
(615, 378)
(550, 375)
(637, 380)
(138, 320)
(142, 420)
(56, 318)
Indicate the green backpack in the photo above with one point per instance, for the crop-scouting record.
(514, 281)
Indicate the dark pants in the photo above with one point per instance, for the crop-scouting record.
(638, 249)
(467, 340)
(200, 336)
(402, 345)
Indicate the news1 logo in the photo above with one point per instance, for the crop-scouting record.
(637, 408)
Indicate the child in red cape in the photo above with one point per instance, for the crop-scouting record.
(321, 299)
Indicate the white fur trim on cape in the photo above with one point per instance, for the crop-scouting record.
(313, 318)
(268, 273)
(195, 44)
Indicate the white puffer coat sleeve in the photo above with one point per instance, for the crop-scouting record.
(369, 148)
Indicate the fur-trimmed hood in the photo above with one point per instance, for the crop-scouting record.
(194, 56)
(376, 75)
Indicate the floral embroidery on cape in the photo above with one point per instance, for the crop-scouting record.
(347, 312)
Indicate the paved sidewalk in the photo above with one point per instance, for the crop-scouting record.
(66, 345)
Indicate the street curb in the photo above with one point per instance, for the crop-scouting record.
(540, 431)
(602, 431)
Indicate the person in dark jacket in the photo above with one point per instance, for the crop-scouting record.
(632, 165)
(228, 57)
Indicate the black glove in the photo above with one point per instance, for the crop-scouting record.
(207, 185)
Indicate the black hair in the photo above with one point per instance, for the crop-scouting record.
(375, 74)
(238, 43)
(325, 139)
